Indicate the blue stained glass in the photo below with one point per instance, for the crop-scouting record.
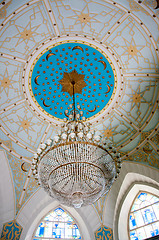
(57, 232)
(48, 229)
(144, 214)
(47, 218)
(142, 196)
(132, 221)
(156, 209)
(133, 235)
(41, 232)
(148, 215)
(59, 211)
(156, 228)
(149, 231)
(58, 224)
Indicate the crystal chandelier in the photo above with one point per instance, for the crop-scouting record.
(77, 166)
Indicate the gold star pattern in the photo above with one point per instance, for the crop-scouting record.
(132, 50)
(6, 83)
(69, 78)
(136, 98)
(84, 17)
(25, 124)
(108, 133)
(26, 34)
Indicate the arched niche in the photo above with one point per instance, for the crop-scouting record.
(134, 177)
(38, 206)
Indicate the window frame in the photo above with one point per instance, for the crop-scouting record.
(128, 228)
(52, 210)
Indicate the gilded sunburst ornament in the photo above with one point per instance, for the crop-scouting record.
(70, 78)
(136, 98)
(108, 133)
(84, 18)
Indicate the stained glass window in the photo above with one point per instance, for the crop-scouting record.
(57, 225)
(144, 217)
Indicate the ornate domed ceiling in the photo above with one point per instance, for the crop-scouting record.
(91, 71)
(109, 48)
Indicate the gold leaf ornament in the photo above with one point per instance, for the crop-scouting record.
(69, 78)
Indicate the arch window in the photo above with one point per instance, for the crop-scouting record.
(144, 217)
(57, 225)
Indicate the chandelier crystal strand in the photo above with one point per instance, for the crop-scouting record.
(77, 166)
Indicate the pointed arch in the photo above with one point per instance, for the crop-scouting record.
(58, 223)
(144, 216)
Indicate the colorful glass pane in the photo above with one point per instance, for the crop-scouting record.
(148, 215)
(133, 235)
(141, 233)
(156, 210)
(155, 227)
(149, 231)
(57, 224)
(144, 217)
(139, 218)
(132, 221)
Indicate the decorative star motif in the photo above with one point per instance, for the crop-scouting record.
(6, 83)
(26, 34)
(108, 133)
(69, 78)
(132, 50)
(25, 124)
(84, 17)
(137, 97)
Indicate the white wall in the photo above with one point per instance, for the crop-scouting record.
(7, 197)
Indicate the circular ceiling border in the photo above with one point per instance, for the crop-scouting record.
(28, 69)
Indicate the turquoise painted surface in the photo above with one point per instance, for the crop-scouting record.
(65, 58)
(11, 230)
(104, 233)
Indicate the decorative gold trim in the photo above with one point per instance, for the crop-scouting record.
(75, 163)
